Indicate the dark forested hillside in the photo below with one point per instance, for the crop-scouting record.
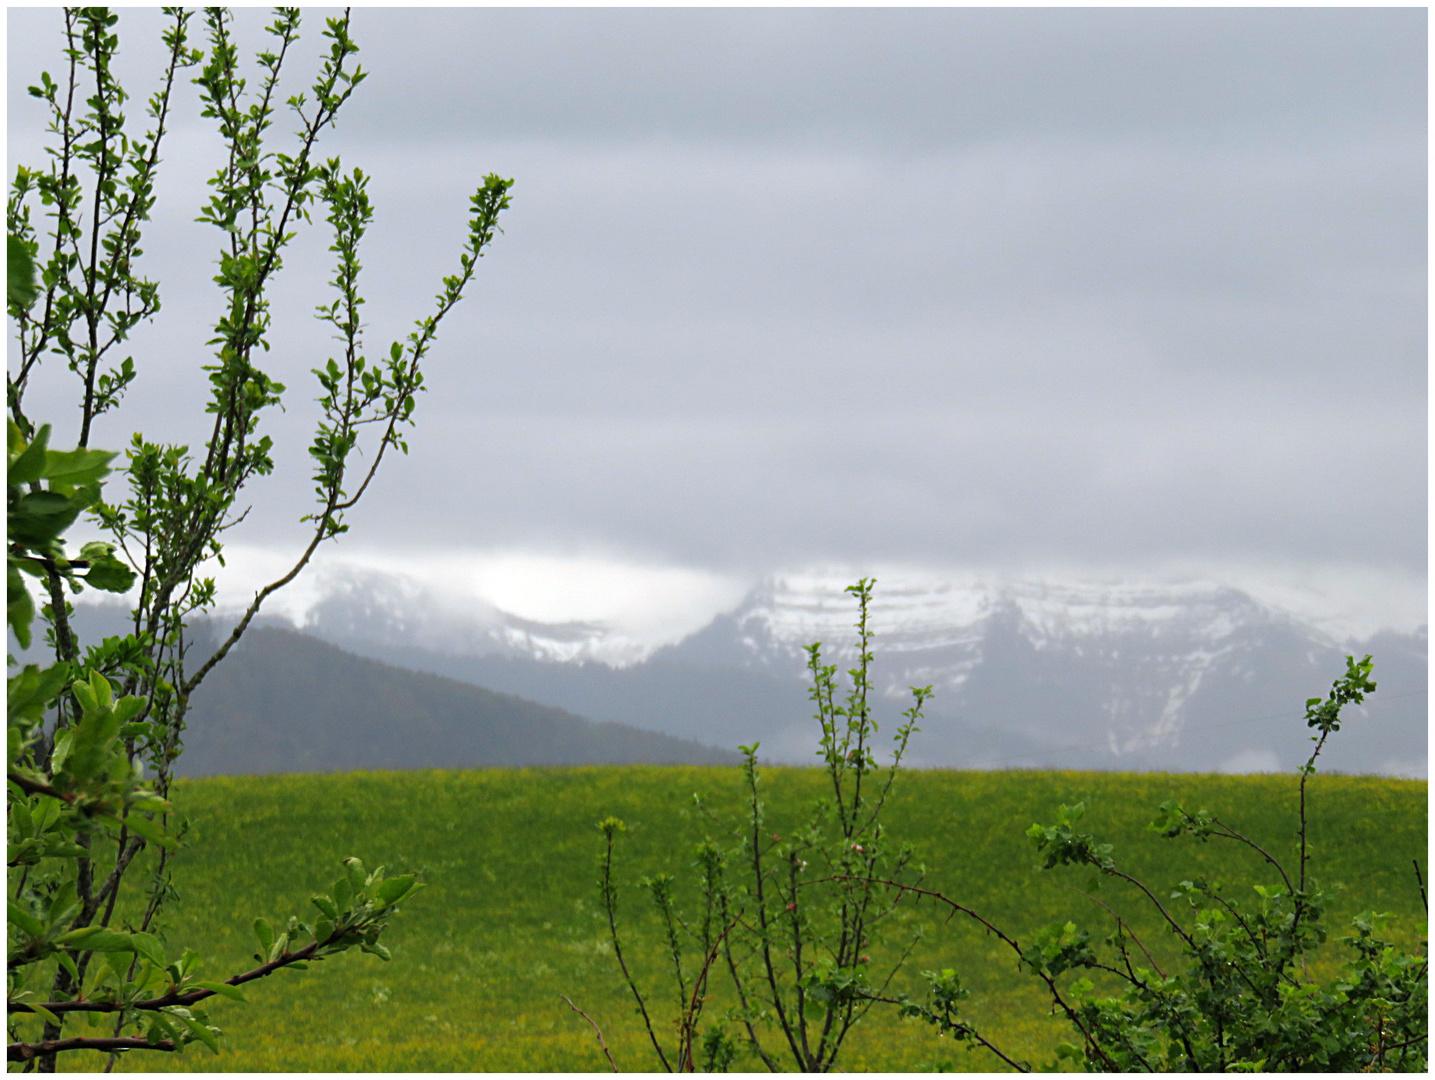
(284, 702)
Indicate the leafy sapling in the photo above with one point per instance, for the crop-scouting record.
(93, 737)
(794, 918)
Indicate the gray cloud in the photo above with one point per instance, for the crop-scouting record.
(963, 285)
(894, 78)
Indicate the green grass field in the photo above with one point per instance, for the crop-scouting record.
(510, 919)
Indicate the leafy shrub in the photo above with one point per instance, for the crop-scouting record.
(1245, 993)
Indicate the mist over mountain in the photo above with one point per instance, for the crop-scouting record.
(1189, 677)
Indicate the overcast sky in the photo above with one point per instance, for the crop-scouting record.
(1050, 292)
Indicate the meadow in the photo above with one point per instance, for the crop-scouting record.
(510, 918)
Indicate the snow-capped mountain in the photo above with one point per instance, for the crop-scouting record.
(1189, 676)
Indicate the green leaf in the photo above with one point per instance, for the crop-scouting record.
(63, 903)
(150, 830)
(97, 939)
(160, 1029)
(395, 889)
(149, 947)
(203, 1033)
(109, 574)
(29, 466)
(44, 1014)
(355, 870)
(25, 921)
(127, 708)
(104, 693)
(19, 608)
(65, 849)
(68, 963)
(77, 468)
(223, 989)
(34, 688)
(61, 752)
(19, 274)
(40, 516)
(148, 801)
(265, 933)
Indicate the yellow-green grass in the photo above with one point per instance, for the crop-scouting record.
(510, 918)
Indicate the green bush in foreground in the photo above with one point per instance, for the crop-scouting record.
(1243, 997)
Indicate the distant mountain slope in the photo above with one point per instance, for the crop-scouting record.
(285, 702)
(715, 706)
(1185, 677)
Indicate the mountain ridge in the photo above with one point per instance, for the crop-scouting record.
(1193, 677)
(1147, 676)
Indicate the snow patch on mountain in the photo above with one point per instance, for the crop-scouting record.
(397, 611)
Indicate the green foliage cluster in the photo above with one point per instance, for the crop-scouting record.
(795, 921)
(93, 737)
(1241, 995)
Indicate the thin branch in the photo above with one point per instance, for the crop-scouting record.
(1231, 834)
(187, 998)
(1051, 986)
(1180, 932)
(1124, 926)
(734, 832)
(35, 787)
(21, 1051)
(695, 1006)
(963, 1029)
(919, 891)
(610, 903)
(597, 1030)
(742, 992)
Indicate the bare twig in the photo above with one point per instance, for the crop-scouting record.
(597, 1030)
(1121, 923)
(1012, 943)
(965, 1029)
(1232, 834)
(695, 1006)
(610, 903)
